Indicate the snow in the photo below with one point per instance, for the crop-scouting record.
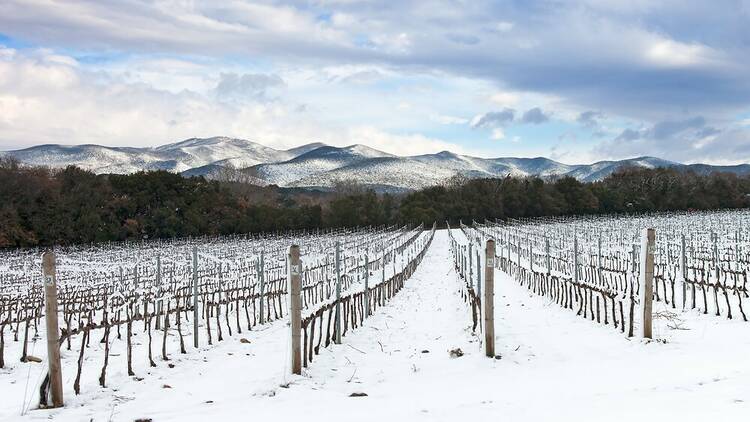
(554, 366)
(189, 154)
(239, 152)
(388, 171)
(366, 151)
(320, 165)
(305, 169)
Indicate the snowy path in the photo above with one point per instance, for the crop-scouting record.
(554, 366)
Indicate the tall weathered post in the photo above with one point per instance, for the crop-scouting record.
(599, 259)
(470, 260)
(479, 273)
(382, 266)
(647, 279)
(575, 259)
(546, 253)
(507, 242)
(159, 305)
(531, 253)
(337, 324)
(53, 331)
(715, 238)
(367, 287)
(715, 242)
(463, 261)
(737, 248)
(683, 269)
(295, 307)
(195, 296)
(518, 250)
(489, 295)
(262, 283)
(136, 280)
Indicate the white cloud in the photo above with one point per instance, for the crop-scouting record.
(44, 99)
(248, 87)
(498, 134)
(669, 53)
(505, 99)
(409, 144)
(159, 60)
(504, 26)
(448, 120)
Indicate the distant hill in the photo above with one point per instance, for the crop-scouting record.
(322, 166)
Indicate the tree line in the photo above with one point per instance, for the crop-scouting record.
(41, 206)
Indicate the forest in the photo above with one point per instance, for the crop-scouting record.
(41, 206)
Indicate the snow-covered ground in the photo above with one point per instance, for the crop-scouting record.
(553, 366)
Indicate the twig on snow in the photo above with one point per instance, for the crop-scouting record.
(353, 374)
(356, 349)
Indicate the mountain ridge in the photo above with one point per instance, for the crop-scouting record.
(318, 165)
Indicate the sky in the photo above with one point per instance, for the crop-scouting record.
(575, 81)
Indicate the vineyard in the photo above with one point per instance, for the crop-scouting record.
(191, 292)
(592, 265)
(389, 310)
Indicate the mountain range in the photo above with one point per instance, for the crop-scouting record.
(317, 165)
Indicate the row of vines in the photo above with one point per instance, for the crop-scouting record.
(197, 291)
(591, 264)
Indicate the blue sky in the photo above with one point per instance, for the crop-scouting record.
(576, 81)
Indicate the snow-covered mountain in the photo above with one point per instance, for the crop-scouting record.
(381, 173)
(315, 163)
(322, 166)
(96, 158)
(602, 169)
(495, 167)
(188, 155)
(240, 153)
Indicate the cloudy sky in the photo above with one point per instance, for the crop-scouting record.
(575, 81)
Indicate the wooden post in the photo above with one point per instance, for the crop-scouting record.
(367, 287)
(715, 240)
(470, 260)
(479, 274)
(394, 261)
(463, 261)
(337, 325)
(531, 253)
(53, 332)
(195, 296)
(647, 279)
(546, 253)
(575, 259)
(599, 259)
(158, 284)
(382, 266)
(518, 250)
(136, 280)
(736, 245)
(507, 242)
(261, 281)
(489, 295)
(295, 307)
(683, 268)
